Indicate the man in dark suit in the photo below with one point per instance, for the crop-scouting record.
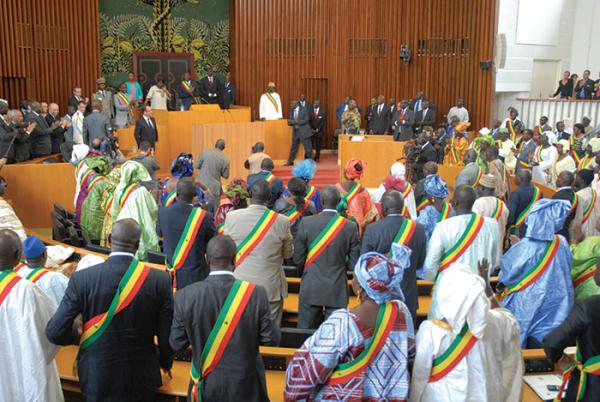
(392, 108)
(416, 103)
(585, 87)
(425, 116)
(40, 140)
(145, 128)
(305, 103)
(301, 132)
(58, 135)
(381, 119)
(519, 199)
(380, 235)
(324, 286)
(172, 221)
(239, 374)
(77, 97)
(10, 135)
(228, 93)
(526, 150)
(209, 87)
(186, 92)
(276, 185)
(427, 154)
(21, 145)
(564, 191)
(317, 117)
(369, 113)
(122, 364)
(403, 122)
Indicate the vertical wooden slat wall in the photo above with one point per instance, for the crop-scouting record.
(47, 47)
(334, 24)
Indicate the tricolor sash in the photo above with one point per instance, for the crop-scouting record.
(269, 177)
(108, 201)
(129, 286)
(8, 279)
(86, 175)
(19, 266)
(353, 192)
(123, 98)
(575, 154)
(218, 339)
(591, 366)
(294, 214)
(445, 212)
(424, 203)
(388, 312)
(586, 274)
(478, 178)
(405, 195)
(464, 242)
(513, 133)
(574, 203)
(458, 349)
(584, 162)
(186, 241)
(537, 270)
(498, 210)
(537, 194)
(320, 243)
(221, 228)
(188, 88)
(93, 182)
(538, 154)
(79, 167)
(36, 274)
(126, 193)
(170, 198)
(588, 210)
(310, 192)
(255, 236)
(273, 101)
(524, 164)
(406, 232)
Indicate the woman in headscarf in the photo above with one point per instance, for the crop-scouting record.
(586, 254)
(589, 159)
(356, 200)
(182, 166)
(563, 162)
(544, 157)
(486, 362)
(78, 156)
(351, 119)
(481, 144)
(328, 365)
(294, 205)
(306, 171)
(237, 193)
(457, 146)
(92, 211)
(438, 207)
(97, 167)
(132, 200)
(397, 181)
(535, 273)
(588, 208)
(495, 208)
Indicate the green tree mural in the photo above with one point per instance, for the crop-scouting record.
(160, 29)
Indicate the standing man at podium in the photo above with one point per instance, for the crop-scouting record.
(185, 93)
(209, 87)
(301, 132)
(270, 104)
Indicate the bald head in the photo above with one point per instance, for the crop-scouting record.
(260, 192)
(330, 197)
(186, 190)
(392, 202)
(565, 179)
(523, 177)
(220, 144)
(10, 249)
(267, 164)
(220, 253)
(125, 236)
(430, 168)
(464, 198)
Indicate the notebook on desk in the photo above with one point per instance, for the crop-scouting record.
(546, 386)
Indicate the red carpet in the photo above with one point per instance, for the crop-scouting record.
(327, 171)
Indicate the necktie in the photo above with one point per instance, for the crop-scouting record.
(150, 123)
(379, 110)
(295, 114)
(210, 79)
(402, 115)
(316, 113)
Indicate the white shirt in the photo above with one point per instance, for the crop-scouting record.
(460, 112)
(269, 111)
(158, 98)
(221, 272)
(53, 284)
(78, 127)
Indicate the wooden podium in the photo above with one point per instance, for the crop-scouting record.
(278, 140)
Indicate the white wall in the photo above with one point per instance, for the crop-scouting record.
(585, 53)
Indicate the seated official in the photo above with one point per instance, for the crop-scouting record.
(117, 361)
(28, 371)
(53, 284)
(328, 365)
(201, 311)
(486, 364)
(186, 230)
(323, 264)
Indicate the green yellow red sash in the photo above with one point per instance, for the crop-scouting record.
(538, 154)
(36, 274)
(458, 349)
(388, 312)
(588, 210)
(269, 177)
(129, 286)
(124, 98)
(255, 236)
(453, 150)
(574, 203)
(524, 164)
(537, 270)
(353, 192)
(108, 201)
(586, 274)
(478, 178)
(320, 243)
(445, 212)
(498, 210)
(513, 133)
(464, 242)
(221, 228)
(537, 194)
(186, 241)
(590, 367)
(19, 266)
(171, 198)
(295, 214)
(584, 162)
(8, 279)
(126, 193)
(79, 167)
(220, 335)
(273, 101)
(93, 182)
(424, 203)
(86, 175)
(188, 88)
(406, 232)
(405, 195)
(310, 192)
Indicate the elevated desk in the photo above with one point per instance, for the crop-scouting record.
(278, 141)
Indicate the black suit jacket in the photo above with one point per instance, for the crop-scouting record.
(276, 186)
(317, 123)
(205, 87)
(8, 135)
(324, 282)
(240, 374)
(170, 225)
(379, 123)
(228, 93)
(143, 132)
(57, 136)
(568, 195)
(379, 236)
(428, 154)
(300, 126)
(73, 101)
(21, 144)
(40, 140)
(369, 112)
(518, 201)
(427, 120)
(123, 364)
(403, 122)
